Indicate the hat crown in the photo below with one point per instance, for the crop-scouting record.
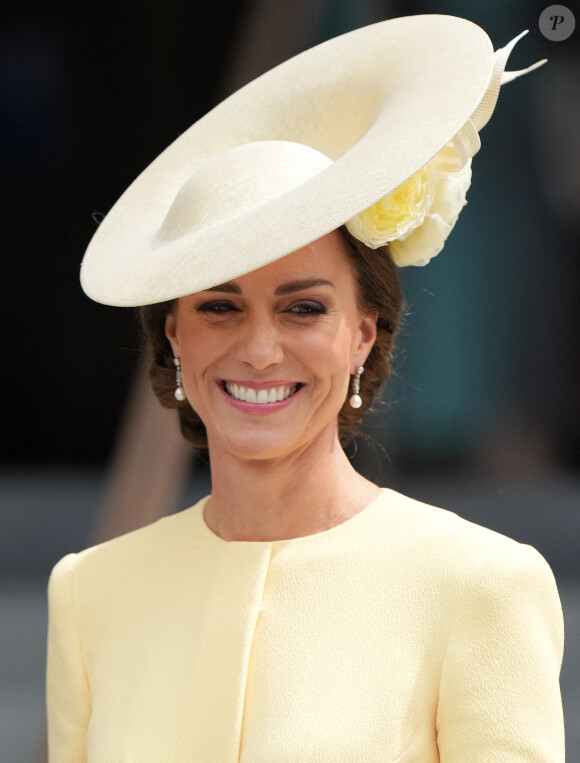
(237, 180)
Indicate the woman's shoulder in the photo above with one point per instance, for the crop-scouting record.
(459, 561)
(445, 538)
(142, 548)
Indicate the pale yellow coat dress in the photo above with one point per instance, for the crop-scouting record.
(404, 634)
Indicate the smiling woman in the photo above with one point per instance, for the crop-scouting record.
(375, 286)
(300, 612)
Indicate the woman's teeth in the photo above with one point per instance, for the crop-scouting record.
(271, 395)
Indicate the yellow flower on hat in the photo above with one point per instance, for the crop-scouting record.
(416, 218)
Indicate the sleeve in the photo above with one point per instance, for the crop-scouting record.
(499, 696)
(67, 687)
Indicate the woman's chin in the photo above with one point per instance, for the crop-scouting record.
(259, 446)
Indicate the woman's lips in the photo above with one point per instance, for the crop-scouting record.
(263, 397)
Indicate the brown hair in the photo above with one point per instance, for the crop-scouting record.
(378, 289)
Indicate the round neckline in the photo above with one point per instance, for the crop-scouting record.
(331, 531)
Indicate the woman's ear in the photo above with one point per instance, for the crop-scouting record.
(367, 336)
(171, 333)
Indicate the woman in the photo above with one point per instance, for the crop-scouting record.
(301, 612)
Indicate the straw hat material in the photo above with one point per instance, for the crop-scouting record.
(295, 154)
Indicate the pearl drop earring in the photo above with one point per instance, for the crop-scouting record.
(179, 393)
(356, 399)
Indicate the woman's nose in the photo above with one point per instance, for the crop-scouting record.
(259, 343)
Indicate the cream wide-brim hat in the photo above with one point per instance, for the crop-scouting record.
(295, 154)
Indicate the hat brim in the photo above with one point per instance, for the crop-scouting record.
(380, 102)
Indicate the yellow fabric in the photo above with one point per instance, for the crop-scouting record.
(404, 634)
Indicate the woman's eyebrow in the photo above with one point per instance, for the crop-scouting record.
(230, 288)
(305, 283)
(286, 288)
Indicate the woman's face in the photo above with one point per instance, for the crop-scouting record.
(267, 357)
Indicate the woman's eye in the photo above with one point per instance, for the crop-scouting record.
(308, 308)
(216, 307)
(223, 308)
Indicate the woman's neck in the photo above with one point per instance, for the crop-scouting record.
(304, 493)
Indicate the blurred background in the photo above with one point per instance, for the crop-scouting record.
(482, 414)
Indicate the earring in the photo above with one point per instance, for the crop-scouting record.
(356, 400)
(179, 393)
